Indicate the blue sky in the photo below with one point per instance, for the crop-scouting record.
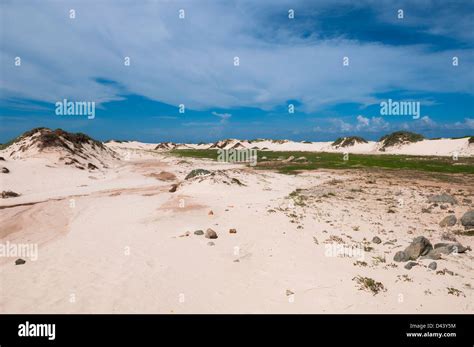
(283, 61)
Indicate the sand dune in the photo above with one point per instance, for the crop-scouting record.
(438, 147)
(60, 147)
(118, 240)
(462, 147)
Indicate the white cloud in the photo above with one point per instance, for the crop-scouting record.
(374, 124)
(467, 124)
(223, 116)
(362, 122)
(190, 61)
(339, 125)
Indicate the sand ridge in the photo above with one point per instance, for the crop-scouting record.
(128, 245)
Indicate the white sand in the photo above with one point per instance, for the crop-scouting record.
(440, 147)
(118, 247)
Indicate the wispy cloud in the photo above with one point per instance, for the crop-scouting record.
(189, 61)
(223, 116)
(165, 117)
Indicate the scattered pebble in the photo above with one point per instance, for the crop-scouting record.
(210, 234)
(376, 240)
(410, 264)
(448, 221)
(20, 261)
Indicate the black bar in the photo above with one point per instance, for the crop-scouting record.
(317, 330)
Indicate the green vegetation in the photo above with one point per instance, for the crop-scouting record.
(18, 138)
(348, 141)
(464, 232)
(454, 291)
(320, 160)
(378, 259)
(51, 138)
(369, 284)
(7, 144)
(298, 199)
(360, 263)
(399, 137)
(197, 172)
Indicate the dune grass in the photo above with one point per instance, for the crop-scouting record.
(323, 160)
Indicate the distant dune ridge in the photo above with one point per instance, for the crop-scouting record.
(79, 149)
(400, 142)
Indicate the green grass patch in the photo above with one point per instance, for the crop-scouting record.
(322, 160)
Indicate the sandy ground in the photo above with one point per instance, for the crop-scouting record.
(114, 240)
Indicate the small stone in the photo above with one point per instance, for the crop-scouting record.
(199, 232)
(400, 256)
(232, 231)
(418, 247)
(410, 264)
(5, 170)
(433, 265)
(173, 188)
(448, 248)
(448, 221)
(19, 262)
(211, 213)
(210, 234)
(443, 198)
(376, 240)
(467, 220)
